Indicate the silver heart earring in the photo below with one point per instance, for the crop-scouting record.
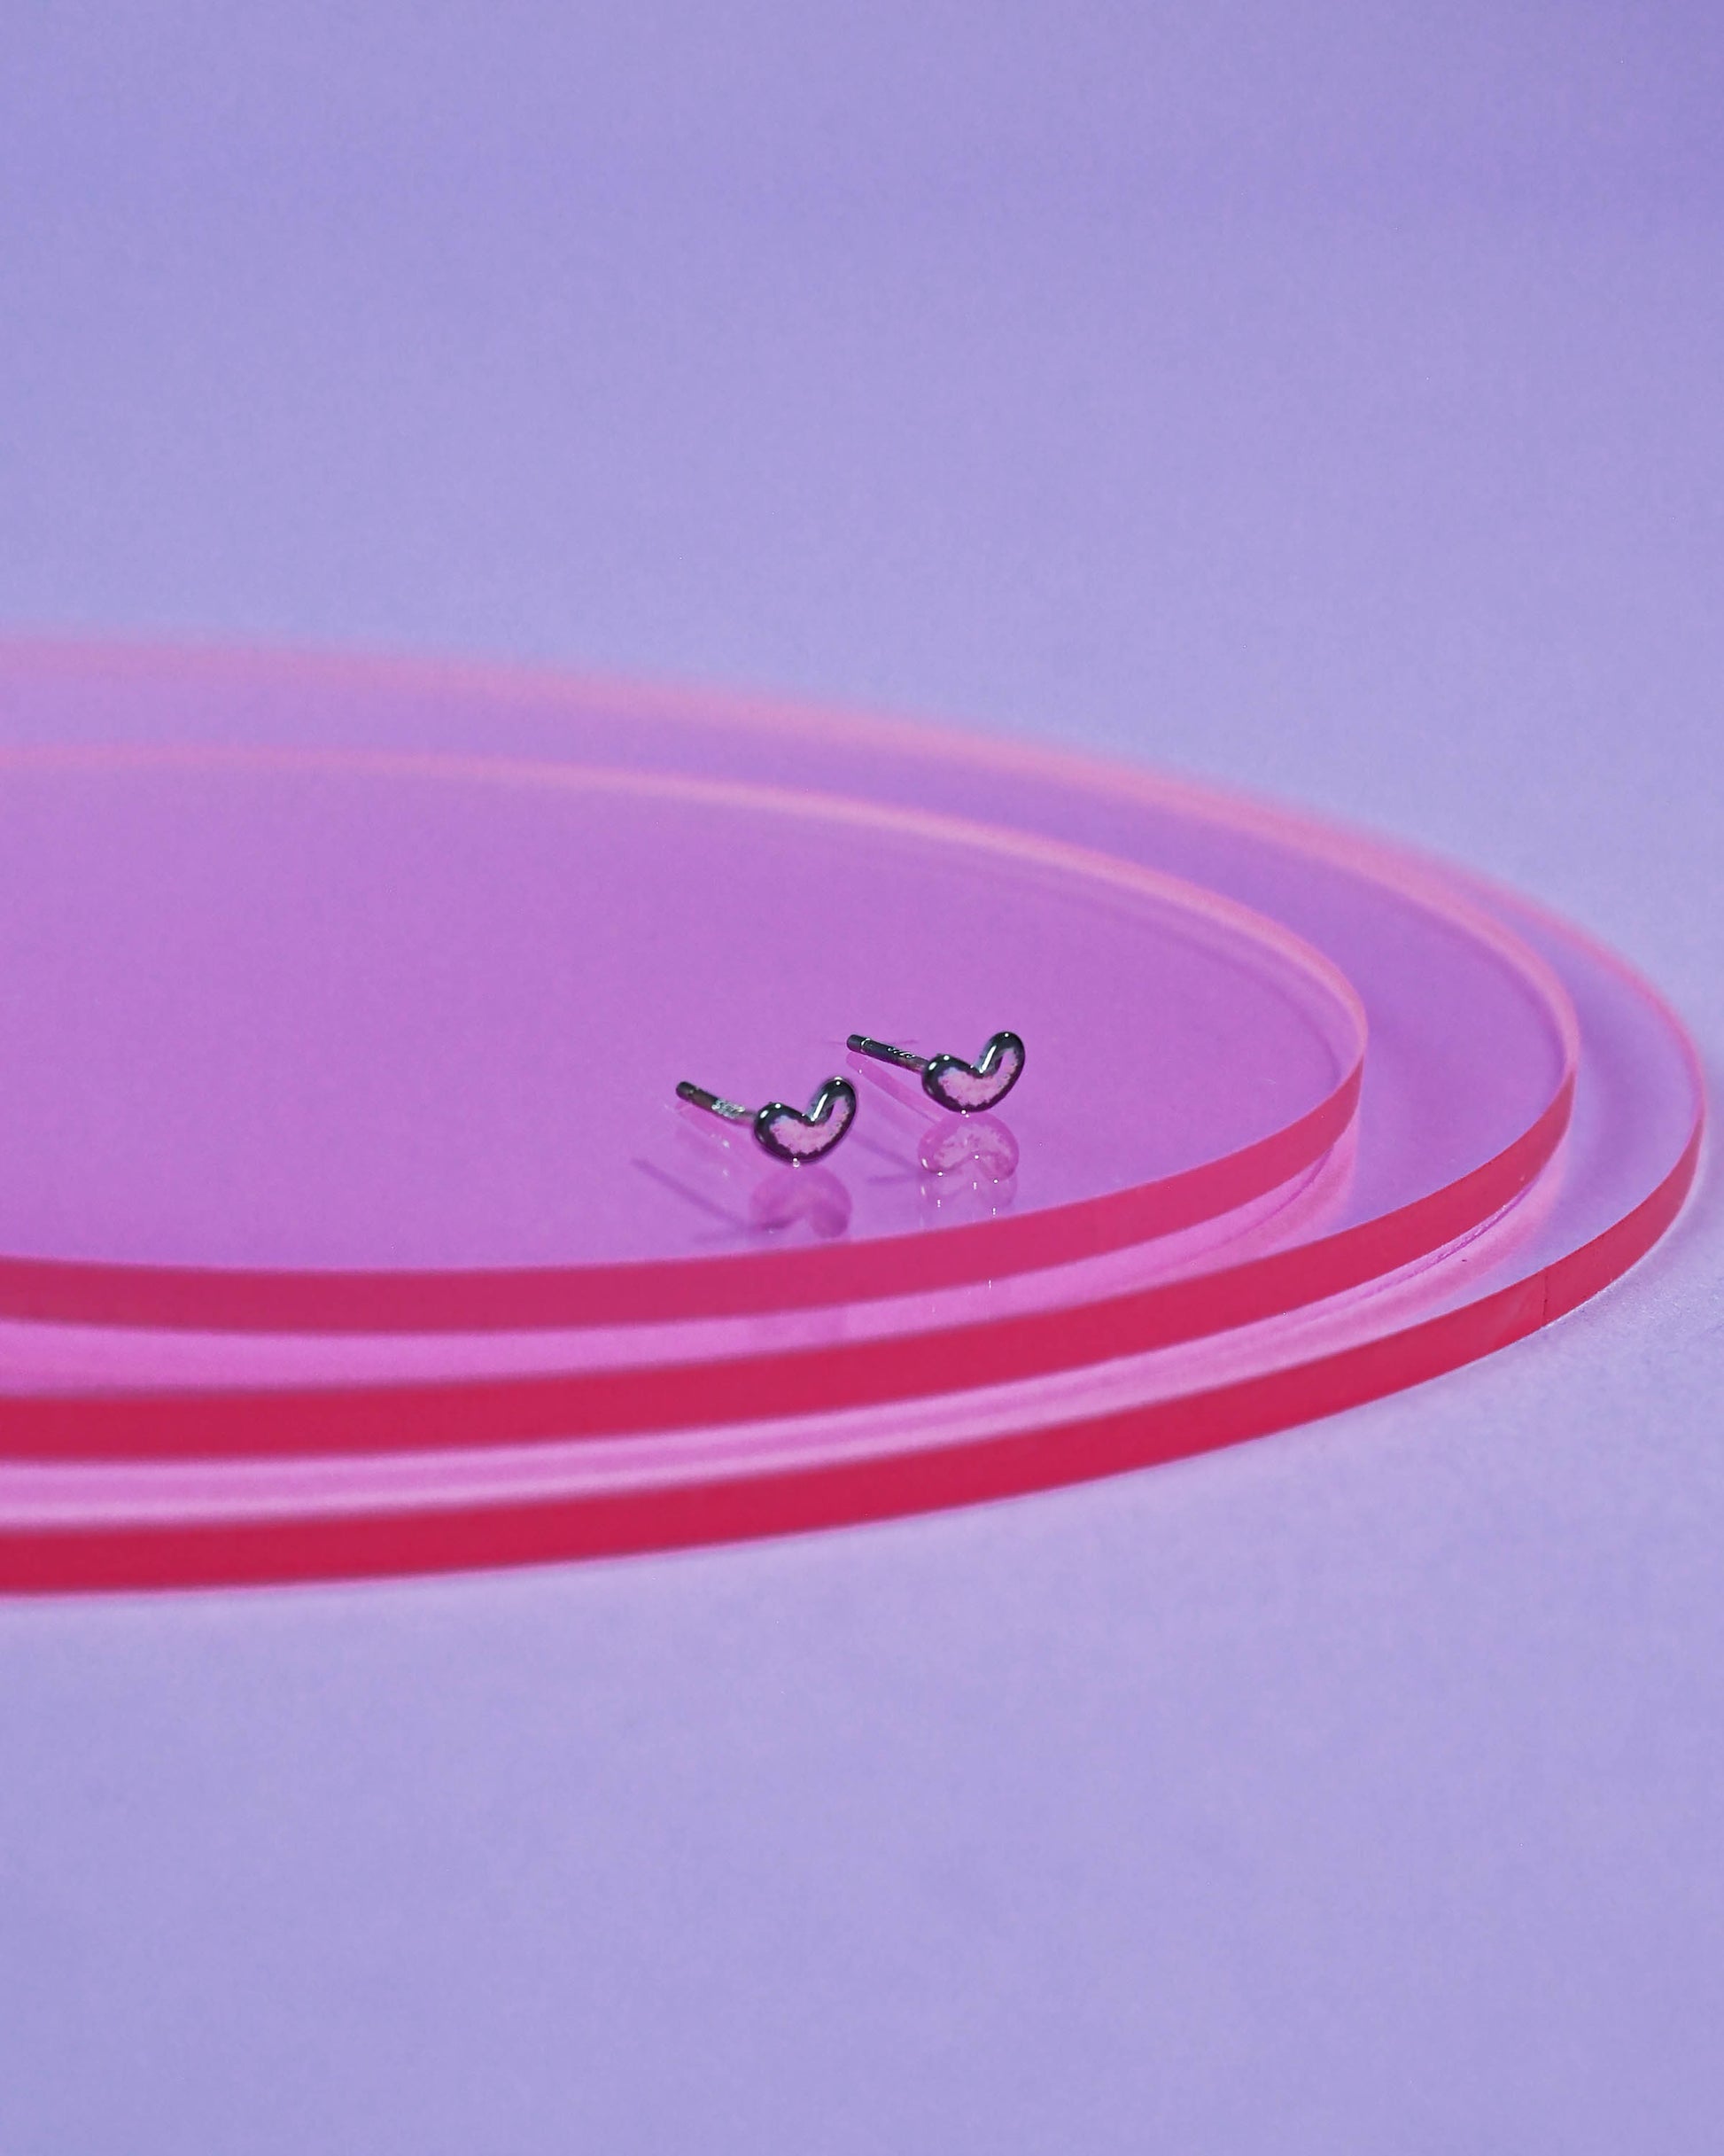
(948, 1080)
(778, 1128)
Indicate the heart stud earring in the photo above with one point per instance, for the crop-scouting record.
(778, 1128)
(948, 1080)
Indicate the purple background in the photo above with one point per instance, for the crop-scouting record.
(1327, 399)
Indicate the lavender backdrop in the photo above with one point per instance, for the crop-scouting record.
(1330, 398)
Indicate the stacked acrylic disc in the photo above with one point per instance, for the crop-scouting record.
(349, 1222)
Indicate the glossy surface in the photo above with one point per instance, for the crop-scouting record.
(349, 1019)
(1463, 1209)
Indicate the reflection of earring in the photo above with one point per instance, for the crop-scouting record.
(809, 1197)
(784, 1133)
(962, 1087)
(982, 1144)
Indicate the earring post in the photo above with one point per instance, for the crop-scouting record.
(883, 1052)
(699, 1097)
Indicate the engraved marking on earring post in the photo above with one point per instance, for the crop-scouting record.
(687, 1090)
(883, 1051)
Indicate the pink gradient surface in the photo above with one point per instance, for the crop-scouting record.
(337, 1039)
(448, 933)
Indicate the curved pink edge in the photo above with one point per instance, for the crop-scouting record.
(555, 1299)
(309, 1420)
(305, 1420)
(377, 1301)
(207, 1299)
(794, 1500)
(752, 1506)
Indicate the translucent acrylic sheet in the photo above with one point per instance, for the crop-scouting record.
(348, 1041)
(1447, 1133)
(486, 858)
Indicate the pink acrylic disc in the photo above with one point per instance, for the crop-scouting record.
(451, 885)
(312, 1041)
